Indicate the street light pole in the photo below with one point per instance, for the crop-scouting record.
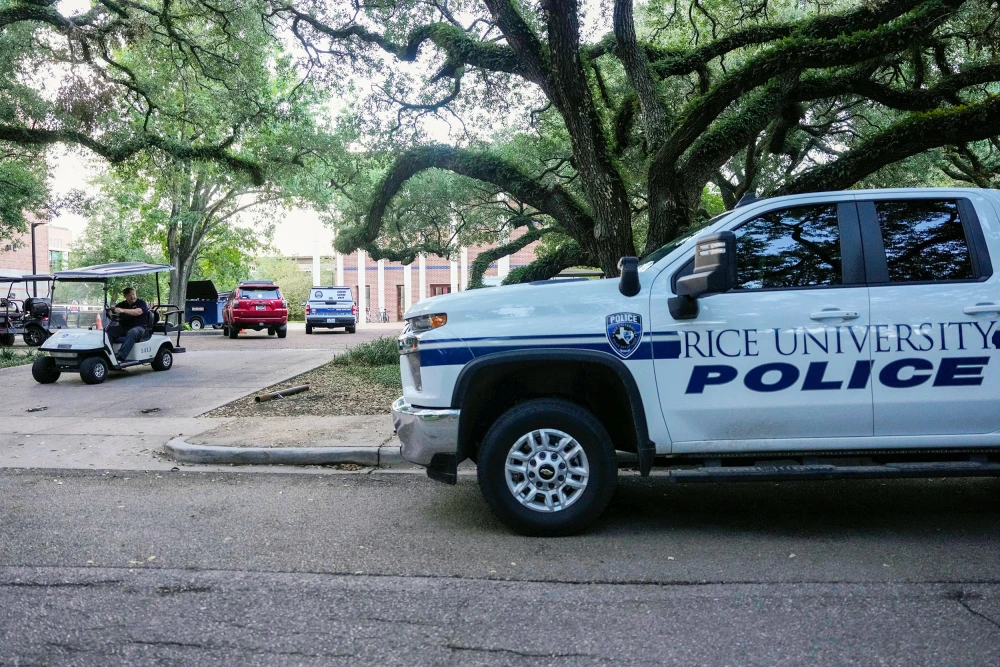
(34, 256)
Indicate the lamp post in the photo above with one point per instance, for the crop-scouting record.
(34, 256)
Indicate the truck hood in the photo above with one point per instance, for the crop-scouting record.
(547, 309)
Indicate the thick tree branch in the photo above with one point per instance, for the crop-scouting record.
(120, 152)
(487, 257)
(655, 120)
(550, 200)
(904, 139)
(567, 255)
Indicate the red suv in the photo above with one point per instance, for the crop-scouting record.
(256, 305)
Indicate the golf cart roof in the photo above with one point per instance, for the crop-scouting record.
(43, 277)
(103, 272)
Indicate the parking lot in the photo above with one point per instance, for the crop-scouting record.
(123, 422)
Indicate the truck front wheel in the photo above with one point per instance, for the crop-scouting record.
(547, 467)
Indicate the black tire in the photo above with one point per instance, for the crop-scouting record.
(164, 359)
(197, 324)
(34, 336)
(582, 508)
(282, 331)
(270, 331)
(94, 370)
(233, 332)
(351, 329)
(44, 370)
(309, 329)
(7, 340)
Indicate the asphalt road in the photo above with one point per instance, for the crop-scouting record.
(386, 568)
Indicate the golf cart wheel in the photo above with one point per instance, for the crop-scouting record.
(197, 324)
(309, 329)
(352, 329)
(93, 370)
(233, 332)
(34, 336)
(6, 340)
(282, 331)
(44, 370)
(163, 360)
(547, 467)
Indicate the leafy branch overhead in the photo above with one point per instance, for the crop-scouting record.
(676, 100)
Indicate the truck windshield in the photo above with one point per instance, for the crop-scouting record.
(665, 250)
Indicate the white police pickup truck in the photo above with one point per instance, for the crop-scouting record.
(844, 334)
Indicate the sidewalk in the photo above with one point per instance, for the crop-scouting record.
(364, 441)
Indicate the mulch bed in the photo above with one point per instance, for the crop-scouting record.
(333, 390)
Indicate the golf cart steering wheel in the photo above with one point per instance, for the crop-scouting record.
(110, 315)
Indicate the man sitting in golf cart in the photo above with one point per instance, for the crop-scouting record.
(133, 318)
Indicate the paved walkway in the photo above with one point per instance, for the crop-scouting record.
(105, 426)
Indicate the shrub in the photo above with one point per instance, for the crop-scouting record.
(379, 352)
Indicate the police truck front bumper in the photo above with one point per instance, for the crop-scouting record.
(429, 437)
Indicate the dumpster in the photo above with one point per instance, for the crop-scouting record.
(203, 307)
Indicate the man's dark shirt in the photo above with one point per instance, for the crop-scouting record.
(126, 322)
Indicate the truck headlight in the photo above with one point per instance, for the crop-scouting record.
(424, 323)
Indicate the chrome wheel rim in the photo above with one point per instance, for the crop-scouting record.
(167, 359)
(547, 470)
(99, 370)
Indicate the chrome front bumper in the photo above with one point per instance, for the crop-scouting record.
(424, 432)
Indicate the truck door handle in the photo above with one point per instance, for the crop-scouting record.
(834, 314)
(982, 308)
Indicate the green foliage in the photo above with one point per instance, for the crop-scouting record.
(10, 357)
(22, 189)
(293, 281)
(382, 351)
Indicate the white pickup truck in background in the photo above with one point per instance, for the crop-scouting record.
(823, 335)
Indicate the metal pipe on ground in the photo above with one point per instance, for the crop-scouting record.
(281, 393)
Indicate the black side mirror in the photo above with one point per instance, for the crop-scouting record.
(629, 269)
(714, 273)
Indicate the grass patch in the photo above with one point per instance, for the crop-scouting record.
(379, 352)
(387, 376)
(10, 357)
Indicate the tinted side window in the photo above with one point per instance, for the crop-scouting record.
(795, 247)
(924, 241)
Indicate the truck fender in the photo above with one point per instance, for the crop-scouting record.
(646, 447)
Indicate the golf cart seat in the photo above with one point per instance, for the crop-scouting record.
(37, 307)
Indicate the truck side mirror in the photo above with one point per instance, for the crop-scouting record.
(628, 267)
(714, 273)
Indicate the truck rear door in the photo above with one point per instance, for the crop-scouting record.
(935, 305)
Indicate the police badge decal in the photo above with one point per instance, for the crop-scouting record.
(624, 332)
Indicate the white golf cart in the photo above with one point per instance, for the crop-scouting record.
(80, 343)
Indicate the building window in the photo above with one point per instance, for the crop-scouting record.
(438, 290)
(57, 260)
(400, 302)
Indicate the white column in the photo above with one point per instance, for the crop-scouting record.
(316, 278)
(407, 287)
(381, 285)
(465, 269)
(454, 276)
(361, 288)
(340, 270)
(503, 267)
(422, 281)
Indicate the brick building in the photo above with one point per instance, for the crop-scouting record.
(51, 253)
(392, 287)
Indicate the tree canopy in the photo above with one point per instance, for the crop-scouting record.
(622, 134)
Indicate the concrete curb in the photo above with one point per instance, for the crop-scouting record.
(364, 455)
